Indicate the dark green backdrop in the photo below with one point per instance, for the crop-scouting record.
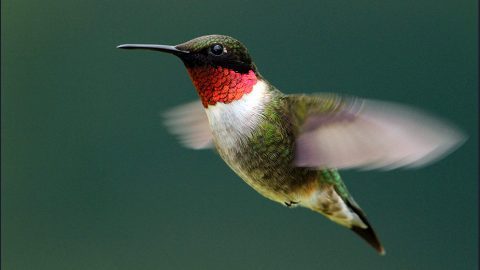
(92, 180)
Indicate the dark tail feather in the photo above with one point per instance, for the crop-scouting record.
(368, 234)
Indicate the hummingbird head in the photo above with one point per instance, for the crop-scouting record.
(220, 67)
(217, 51)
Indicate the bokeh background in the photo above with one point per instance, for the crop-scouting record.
(92, 180)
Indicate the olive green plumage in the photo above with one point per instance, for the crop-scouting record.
(267, 156)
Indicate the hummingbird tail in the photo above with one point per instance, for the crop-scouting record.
(368, 234)
(326, 200)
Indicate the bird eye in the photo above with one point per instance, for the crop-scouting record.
(216, 49)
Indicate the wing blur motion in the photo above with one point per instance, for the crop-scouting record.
(371, 135)
(189, 123)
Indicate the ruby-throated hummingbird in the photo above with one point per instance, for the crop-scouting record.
(289, 147)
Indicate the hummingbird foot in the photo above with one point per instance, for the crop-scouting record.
(291, 203)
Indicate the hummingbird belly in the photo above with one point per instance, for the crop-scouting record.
(263, 158)
(269, 173)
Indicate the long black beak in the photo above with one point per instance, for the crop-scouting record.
(153, 47)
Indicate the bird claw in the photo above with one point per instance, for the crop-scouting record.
(290, 203)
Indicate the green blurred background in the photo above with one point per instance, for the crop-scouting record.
(92, 180)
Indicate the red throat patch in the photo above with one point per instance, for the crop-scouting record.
(218, 84)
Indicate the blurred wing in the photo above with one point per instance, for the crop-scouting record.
(189, 123)
(372, 135)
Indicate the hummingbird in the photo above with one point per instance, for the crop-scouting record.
(289, 147)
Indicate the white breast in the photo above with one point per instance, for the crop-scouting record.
(232, 122)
